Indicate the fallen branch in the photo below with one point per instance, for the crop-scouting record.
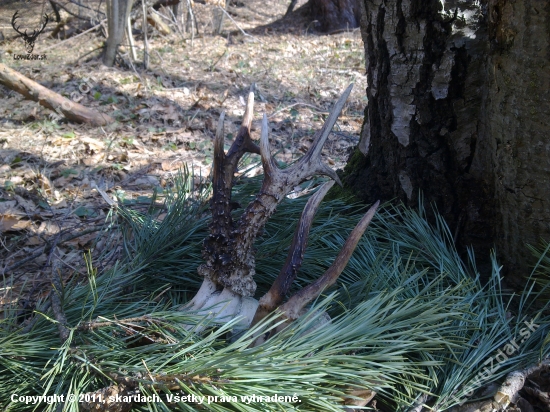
(237, 25)
(48, 247)
(318, 110)
(45, 97)
(514, 382)
(21, 262)
(507, 393)
(96, 324)
(34, 319)
(75, 36)
(58, 4)
(154, 20)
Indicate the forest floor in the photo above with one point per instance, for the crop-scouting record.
(166, 116)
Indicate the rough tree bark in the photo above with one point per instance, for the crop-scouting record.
(458, 109)
(118, 12)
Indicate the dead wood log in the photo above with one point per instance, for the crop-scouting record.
(154, 20)
(48, 98)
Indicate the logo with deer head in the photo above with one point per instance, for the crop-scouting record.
(29, 38)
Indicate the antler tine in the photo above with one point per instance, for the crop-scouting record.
(243, 142)
(311, 164)
(268, 163)
(13, 22)
(249, 112)
(296, 303)
(47, 19)
(274, 297)
(219, 154)
(319, 142)
(36, 32)
(219, 129)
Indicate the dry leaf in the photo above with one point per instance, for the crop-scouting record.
(171, 114)
(48, 228)
(63, 181)
(93, 145)
(33, 241)
(92, 161)
(44, 183)
(59, 141)
(82, 242)
(12, 222)
(365, 396)
(169, 165)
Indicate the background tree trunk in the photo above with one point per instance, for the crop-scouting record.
(334, 15)
(458, 109)
(117, 16)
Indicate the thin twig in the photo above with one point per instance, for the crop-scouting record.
(133, 55)
(178, 28)
(48, 247)
(67, 10)
(238, 27)
(34, 255)
(96, 325)
(33, 321)
(145, 41)
(318, 110)
(74, 37)
(191, 16)
(88, 53)
(81, 5)
(213, 66)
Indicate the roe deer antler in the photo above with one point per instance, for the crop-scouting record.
(228, 251)
(276, 185)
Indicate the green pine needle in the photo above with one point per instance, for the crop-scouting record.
(409, 317)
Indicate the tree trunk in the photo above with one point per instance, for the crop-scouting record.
(458, 110)
(118, 12)
(334, 15)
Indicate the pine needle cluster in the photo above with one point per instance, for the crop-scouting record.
(410, 320)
